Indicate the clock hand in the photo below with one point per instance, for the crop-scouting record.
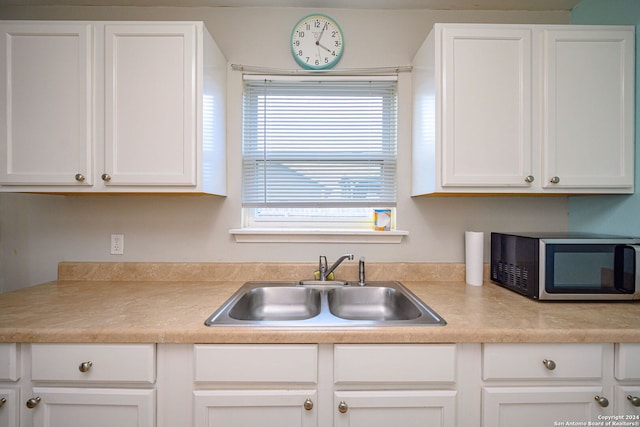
(324, 47)
(322, 32)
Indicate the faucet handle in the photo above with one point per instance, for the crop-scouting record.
(361, 281)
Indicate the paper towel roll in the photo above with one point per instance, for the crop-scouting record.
(473, 256)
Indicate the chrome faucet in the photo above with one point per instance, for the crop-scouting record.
(322, 265)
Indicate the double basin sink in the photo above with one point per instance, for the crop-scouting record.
(323, 304)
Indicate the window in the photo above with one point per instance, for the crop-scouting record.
(318, 150)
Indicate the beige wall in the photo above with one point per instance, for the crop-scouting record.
(38, 231)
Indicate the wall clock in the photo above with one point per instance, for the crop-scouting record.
(317, 42)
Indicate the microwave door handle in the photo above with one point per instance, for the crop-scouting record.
(620, 268)
(636, 271)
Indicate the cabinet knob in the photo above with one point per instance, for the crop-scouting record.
(106, 177)
(80, 177)
(33, 402)
(85, 366)
(343, 407)
(308, 404)
(529, 179)
(635, 400)
(549, 364)
(602, 401)
(555, 180)
(4, 400)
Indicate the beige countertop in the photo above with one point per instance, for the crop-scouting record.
(174, 311)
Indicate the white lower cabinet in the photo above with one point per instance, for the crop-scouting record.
(318, 385)
(627, 367)
(539, 406)
(542, 362)
(255, 385)
(627, 375)
(266, 408)
(9, 388)
(9, 406)
(627, 401)
(406, 408)
(403, 384)
(79, 407)
(534, 385)
(323, 385)
(102, 385)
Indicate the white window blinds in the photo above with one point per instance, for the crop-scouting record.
(311, 142)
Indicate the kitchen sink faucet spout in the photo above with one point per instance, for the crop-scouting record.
(322, 265)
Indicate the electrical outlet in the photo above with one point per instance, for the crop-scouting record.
(117, 244)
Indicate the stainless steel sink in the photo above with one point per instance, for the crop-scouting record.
(277, 303)
(323, 304)
(371, 303)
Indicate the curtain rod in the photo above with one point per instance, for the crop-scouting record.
(335, 72)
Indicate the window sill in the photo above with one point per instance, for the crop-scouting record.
(275, 235)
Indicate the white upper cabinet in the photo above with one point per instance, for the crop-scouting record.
(487, 88)
(588, 104)
(130, 107)
(523, 109)
(134, 55)
(46, 104)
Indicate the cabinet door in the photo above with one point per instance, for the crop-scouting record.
(539, 406)
(486, 105)
(79, 407)
(627, 402)
(249, 408)
(150, 91)
(408, 408)
(45, 104)
(588, 109)
(9, 407)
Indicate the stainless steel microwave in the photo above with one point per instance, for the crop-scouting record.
(567, 266)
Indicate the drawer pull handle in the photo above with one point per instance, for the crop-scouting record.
(549, 364)
(635, 400)
(308, 404)
(3, 401)
(343, 407)
(79, 177)
(33, 402)
(106, 177)
(602, 401)
(554, 180)
(529, 179)
(85, 366)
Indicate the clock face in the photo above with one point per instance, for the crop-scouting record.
(317, 42)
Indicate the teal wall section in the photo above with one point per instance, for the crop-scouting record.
(610, 214)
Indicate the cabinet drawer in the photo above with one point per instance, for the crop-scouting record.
(527, 361)
(256, 363)
(404, 363)
(628, 361)
(102, 362)
(9, 362)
